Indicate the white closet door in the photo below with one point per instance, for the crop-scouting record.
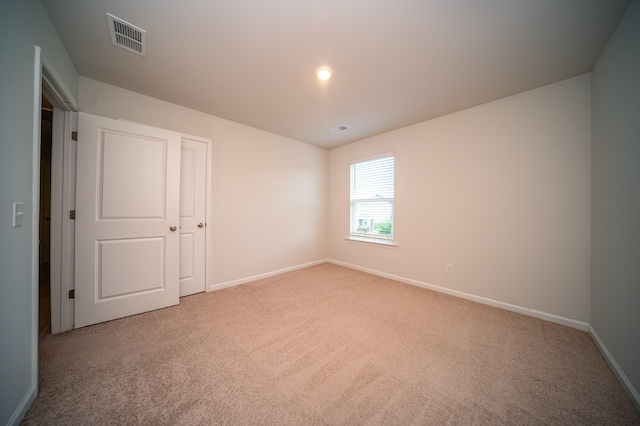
(193, 171)
(127, 218)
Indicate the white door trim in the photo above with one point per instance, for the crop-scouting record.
(35, 240)
(63, 151)
(44, 75)
(64, 148)
(62, 194)
(55, 270)
(54, 85)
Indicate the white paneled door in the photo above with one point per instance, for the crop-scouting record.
(193, 179)
(127, 219)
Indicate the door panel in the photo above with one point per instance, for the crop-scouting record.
(127, 198)
(188, 177)
(129, 267)
(193, 176)
(137, 165)
(186, 255)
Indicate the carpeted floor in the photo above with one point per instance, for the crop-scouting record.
(326, 345)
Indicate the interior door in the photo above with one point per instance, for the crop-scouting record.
(127, 215)
(193, 178)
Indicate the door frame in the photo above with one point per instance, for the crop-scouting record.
(46, 81)
(62, 192)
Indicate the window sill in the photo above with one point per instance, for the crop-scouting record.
(373, 241)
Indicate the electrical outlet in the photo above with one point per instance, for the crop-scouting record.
(448, 268)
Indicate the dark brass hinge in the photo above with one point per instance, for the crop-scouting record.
(74, 136)
(72, 214)
(72, 294)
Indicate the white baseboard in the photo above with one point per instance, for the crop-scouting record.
(580, 325)
(21, 410)
(227, 284)
(622, 378)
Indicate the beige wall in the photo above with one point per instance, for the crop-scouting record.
(501, 191)
(23, 25)
(615, 270)
(269, 192)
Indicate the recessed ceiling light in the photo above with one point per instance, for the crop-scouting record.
(324, 73)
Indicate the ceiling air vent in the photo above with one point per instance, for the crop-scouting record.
(127, 36)
(339, 129)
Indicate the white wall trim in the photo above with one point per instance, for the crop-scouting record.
(617, 370)
(580, 325)
(56, 87)
(24, 405)
(35, 237)
(57, 214)
(245, 280)
(62, 191)
(68, 165)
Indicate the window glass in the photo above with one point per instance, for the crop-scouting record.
(372, 192)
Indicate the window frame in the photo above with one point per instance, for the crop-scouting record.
(371, 238)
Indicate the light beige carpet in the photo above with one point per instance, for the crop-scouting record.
(326, 345)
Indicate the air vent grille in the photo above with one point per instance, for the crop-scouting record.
(339, 129)
(127, 36)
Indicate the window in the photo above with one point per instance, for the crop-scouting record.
(372, 191)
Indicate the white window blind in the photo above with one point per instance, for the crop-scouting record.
(372, 191)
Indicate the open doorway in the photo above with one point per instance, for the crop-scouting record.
(44, 228)
(55, 122)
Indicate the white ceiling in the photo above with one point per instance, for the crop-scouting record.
(396, 62)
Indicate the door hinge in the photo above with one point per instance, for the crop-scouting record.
(72, 214)
(72, 294)
(74, 136)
